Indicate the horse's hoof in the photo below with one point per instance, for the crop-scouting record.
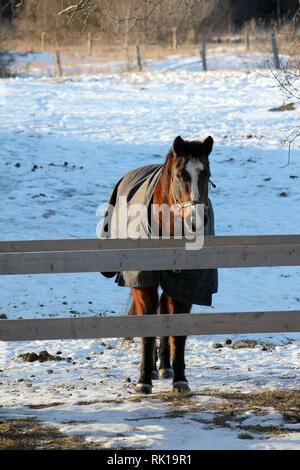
(181, 387)
(143, 388)
(165, 373)
(154, 375)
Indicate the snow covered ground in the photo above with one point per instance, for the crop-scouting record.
(64, 144)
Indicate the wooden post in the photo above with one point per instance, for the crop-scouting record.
(58, 64)
(43, 37)
(203, 56)
(275, 51)
(138, 58)
(174, 38)
(127, 53)
(126, 46)
(247, 38)
(90, 43)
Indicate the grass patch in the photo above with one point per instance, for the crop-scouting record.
(231, 409)
(41, 406)
(286, 402)
(28, 434)
(179, 399)
(245, 435)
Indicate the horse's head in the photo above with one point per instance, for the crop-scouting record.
(191, 177)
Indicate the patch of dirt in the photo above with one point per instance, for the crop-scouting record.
(251, 343)
(284, 107)
(244, 343)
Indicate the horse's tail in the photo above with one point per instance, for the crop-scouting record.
(132, 310)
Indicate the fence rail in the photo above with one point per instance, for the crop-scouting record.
(94, 255)
(148, 325)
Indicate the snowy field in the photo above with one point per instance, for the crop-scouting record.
(64, 144)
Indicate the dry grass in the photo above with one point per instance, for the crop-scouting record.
(233, 408)
(31, 435)
(285, 402)
(229, 410)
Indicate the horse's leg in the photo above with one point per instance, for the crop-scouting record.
(129, 339)
(131, 311)
(146, 303)
(180, 383)
(165, 370)
(155, 357)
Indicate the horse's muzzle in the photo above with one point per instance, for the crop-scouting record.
(196, 218)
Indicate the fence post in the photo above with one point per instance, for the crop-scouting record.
(247, 39)
(275, 51)
(90, 43)
(174, 38)
(138, 57)
(43, 37)
(126, 45)
(203, 55)
(58, 63)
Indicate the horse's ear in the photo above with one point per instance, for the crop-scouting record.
(208, 144)
(178, 145)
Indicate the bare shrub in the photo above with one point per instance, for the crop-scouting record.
(147, 21)
(5, 61)
(288, 76)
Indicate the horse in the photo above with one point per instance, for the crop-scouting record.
(182, 181)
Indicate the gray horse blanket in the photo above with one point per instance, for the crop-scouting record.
(194, 286)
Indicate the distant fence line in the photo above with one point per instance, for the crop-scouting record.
(174, 43)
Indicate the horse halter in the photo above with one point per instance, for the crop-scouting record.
(192, 202)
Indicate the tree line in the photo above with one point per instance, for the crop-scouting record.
(147, 20)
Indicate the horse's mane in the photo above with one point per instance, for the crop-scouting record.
(166, 171)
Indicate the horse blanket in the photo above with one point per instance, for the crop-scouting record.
(194, 286)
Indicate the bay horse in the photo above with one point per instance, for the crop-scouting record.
(182, 180)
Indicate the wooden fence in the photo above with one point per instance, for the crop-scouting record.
(59, 68)
(95, 255)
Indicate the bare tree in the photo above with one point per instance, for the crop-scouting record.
(131, 13)
(287, 76)
(152, 17)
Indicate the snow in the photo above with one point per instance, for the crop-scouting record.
(72, 139)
